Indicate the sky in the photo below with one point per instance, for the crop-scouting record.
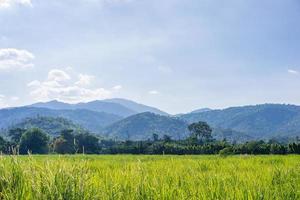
(177, 55)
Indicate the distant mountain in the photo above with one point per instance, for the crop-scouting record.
(120, 107)
(52, 126)
(97, 106)
(201, 110)
(142, 126)
(260, 122)
(90, 120)
(137, 107)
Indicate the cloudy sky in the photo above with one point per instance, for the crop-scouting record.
(177, 55)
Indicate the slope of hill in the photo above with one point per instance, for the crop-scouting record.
(137, 107)
(142, 126)
(260, 121)
(52, 126)
(91, 120)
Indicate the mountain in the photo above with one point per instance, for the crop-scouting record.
(142, 126)
(137, 107)
(201, 110)
(90, 120)
(260, 121)
(96, 106)
(52, 126)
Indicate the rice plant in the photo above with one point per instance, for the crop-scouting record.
(149, 177)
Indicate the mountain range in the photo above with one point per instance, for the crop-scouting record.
(124, 119)
(120, 107)
(259, 121)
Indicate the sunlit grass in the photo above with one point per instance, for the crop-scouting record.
(149, 177)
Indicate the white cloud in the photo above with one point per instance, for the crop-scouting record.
(58, 75)
(15, 59)
(84, 80)
(291, 71)
(34, 83)
(153, 92)
(118, 87)
(10, 3)
(58, 86)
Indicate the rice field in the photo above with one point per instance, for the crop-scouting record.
(149, 177)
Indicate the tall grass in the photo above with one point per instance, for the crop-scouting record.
(149, 177)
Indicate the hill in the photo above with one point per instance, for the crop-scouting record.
(90, 120)
(52, 126)
(260, 122)
(142, 126)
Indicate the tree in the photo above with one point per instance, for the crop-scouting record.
(277, 149)
(35, 141)
(3, 144)
(16, 134)
(65, 143)
(167, 138)
(200, 131)
(87, 143)
(294, 148)
(155, 137)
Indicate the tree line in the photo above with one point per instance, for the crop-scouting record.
(200, 141)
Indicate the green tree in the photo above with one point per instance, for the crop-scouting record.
(3, 144)
(200, 131)
(167, 138)
(87, 143)
(155, 137)
(34, 141)
(65, 143)
(16, 134)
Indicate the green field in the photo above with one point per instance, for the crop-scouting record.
(149, 177)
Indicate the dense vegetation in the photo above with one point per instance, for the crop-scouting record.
(149, 177)
(199, 141)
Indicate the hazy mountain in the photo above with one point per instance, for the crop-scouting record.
(260, 121)
(137, 107)
(56, 105)
(91, 120)
(97, 106)
(51, 125)
(120, 107)
(144, 125)
(201, 110)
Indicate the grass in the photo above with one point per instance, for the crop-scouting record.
(149, 177)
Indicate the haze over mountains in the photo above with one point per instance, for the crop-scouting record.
(124, 119)
(121, 107)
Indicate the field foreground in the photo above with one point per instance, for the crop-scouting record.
(149, 177)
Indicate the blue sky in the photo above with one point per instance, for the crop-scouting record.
(177, 55)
